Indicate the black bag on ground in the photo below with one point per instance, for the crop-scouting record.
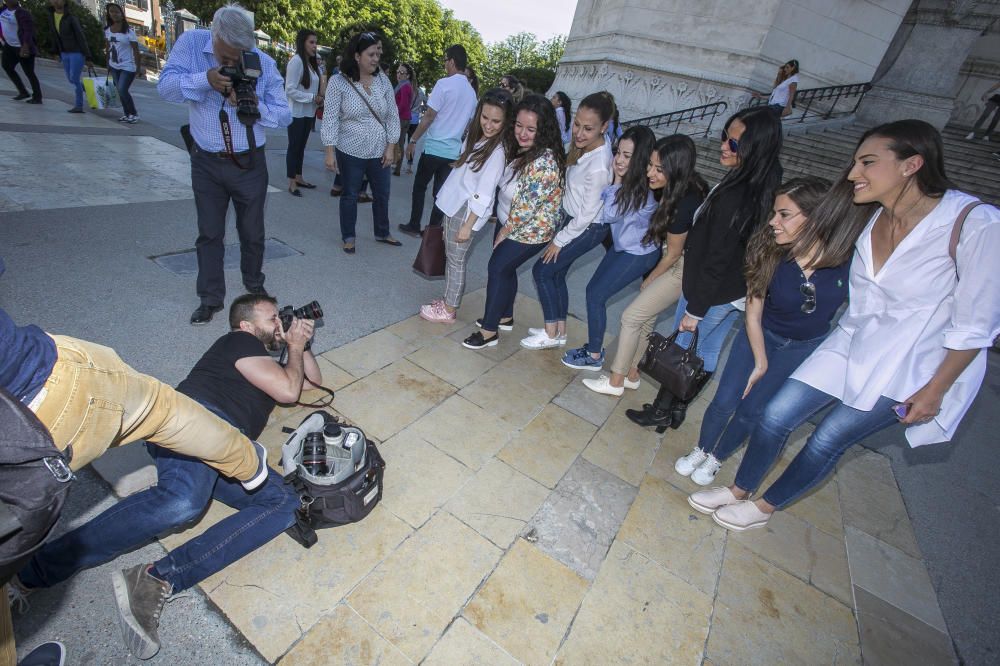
(34, 481)
(680, 371)
(336, 472)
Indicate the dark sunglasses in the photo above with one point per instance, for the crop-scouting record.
(808, 290)
(498, 99)
(734, 145)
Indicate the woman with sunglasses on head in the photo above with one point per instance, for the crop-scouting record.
(796, 273)
(302, 88)
(528, 209)
(782, 95)
(911, 348)
(588, 172)
(360, 131)
(466, 198)
(511, 84)
(713, 286)
(680, 190)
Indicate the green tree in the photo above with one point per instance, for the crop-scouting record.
(523, 53)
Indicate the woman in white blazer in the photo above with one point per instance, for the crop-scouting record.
(911, 348)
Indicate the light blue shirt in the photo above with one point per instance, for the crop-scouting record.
(629, 229)
(184, 80)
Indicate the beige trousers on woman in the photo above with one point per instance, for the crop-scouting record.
(640, 316)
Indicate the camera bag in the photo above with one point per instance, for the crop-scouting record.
(346, 494)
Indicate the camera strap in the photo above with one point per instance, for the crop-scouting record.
(227, 139)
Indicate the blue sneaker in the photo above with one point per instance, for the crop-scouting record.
(580, 359)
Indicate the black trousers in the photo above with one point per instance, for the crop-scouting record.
(428, 167)
(298, 136)
(10, 60)
(216, 181)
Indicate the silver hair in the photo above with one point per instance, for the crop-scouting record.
(234, 25)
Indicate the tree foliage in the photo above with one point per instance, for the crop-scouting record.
(92, 29)
(523, 53)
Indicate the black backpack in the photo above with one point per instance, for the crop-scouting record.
(340, 486)
(34, 481)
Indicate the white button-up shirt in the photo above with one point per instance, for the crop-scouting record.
(585, 181)
(475, 188)
(902, 321)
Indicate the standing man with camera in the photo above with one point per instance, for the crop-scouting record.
(239, 382)
(233, 91)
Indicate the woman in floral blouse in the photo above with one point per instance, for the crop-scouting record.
(528, 207)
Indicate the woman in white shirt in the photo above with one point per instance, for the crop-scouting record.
(564, 112)
(123, 58)
(588, 172)
(302, 79)
(360, 131)
(466, 198)
(785, 84)
(911, 347)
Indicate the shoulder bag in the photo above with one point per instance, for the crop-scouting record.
(364, 99)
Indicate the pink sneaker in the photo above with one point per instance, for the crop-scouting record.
(437, 312)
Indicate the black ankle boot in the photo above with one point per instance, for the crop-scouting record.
(655, 414)
(679, 409)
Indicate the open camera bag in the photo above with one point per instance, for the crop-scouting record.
(331, 499)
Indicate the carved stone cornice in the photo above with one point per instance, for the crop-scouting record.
(978, 15)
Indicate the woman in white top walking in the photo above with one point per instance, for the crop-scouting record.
(564, 114)
(466, 198)
(911, 348)
(588, 172)
(123, 58)
(302, 81)
(360, 131)
(783, 94)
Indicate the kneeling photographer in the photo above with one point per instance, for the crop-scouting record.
(233, 91)
(238, 380)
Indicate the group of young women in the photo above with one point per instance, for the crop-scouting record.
(891, 236)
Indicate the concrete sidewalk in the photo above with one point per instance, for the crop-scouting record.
(525, 520)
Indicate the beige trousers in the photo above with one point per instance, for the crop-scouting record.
(639, 318)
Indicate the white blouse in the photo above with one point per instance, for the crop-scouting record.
(585, 181)
(301, 100)
(901, 322)
(349, 125)
(475, 188)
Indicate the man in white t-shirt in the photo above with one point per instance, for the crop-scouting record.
(449, 110)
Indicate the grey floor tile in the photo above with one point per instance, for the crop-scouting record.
(586, 404)
(890, 636)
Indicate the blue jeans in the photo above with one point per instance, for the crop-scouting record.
(353, 170)
(730, 418)
(73, 66)
(712, 330)
(550, 278)
(840, 429)
(184, 488)
(615, 272)
(123, 81)
(501, 283)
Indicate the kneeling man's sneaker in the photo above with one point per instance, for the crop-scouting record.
(140, 598)
(742, 515)
(260, 476)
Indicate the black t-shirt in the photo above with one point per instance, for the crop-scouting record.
(216, 381)
(684, 215)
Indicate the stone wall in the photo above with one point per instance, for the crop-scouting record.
(978, 74)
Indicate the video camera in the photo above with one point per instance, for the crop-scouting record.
(308, 311)
(244, 77)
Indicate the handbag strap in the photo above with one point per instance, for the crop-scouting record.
(956, 231)
(368, 104)
(693, 347)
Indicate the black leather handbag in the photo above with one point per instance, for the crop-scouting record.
(680, 371)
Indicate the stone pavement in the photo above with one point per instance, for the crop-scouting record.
(525, 520)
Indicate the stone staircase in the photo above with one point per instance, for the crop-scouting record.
(826, 152)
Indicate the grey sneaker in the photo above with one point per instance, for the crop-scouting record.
(260, 476)
(17, 595)
(140, 599)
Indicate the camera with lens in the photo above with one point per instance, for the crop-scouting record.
(244, 77)
(308, 311)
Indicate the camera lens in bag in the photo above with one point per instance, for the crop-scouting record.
(333, 435)
(314, 454)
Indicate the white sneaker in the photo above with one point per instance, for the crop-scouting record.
(132, 120)
(603, 385)
(17, 595)
(542, 341)
(742, 515)
(689, 463)
(708, 501)
(970, 136)
(541, 331)
(629, 384)
(706, 471)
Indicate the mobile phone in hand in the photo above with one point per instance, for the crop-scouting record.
(901, 410)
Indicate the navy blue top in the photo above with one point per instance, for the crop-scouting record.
(27, 356)
(783, 313)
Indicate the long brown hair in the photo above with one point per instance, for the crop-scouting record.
(477, 156)
(677, 160)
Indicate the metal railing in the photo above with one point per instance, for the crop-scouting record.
(693, 120)
(822, 102)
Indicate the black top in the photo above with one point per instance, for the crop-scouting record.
(216, 381)
(68, 37)
(714, 253)
(684, 215)
(783, 313)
